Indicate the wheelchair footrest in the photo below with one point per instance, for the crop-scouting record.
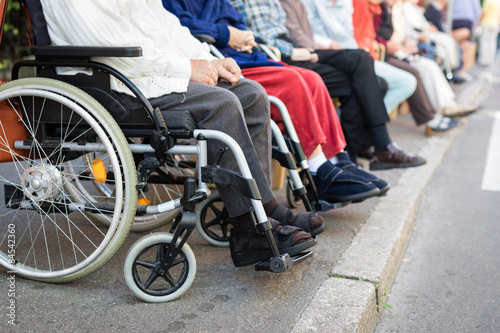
(325, 205)
(283, 262)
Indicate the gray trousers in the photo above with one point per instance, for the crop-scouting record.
(241, 111)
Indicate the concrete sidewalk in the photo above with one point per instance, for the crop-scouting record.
(341, 289)
(354, 298)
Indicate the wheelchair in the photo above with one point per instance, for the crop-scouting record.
(87, 169)
(287, 151)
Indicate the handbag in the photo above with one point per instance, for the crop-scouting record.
(11, 130)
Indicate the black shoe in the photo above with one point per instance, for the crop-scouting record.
(248, 247)
(348, 166)
(334, 185)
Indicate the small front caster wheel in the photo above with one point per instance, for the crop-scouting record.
(212, 221)
(151, 277)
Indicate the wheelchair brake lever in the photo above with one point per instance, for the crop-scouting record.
(218, 157)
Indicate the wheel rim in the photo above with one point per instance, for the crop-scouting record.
(213, 220)
(153, 194)
(53, 238)
(154, 277)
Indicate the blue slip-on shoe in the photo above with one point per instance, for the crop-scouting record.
(348, 166)
(334, 185)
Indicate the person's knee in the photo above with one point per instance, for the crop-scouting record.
(461, 34)
(410, 83)
(229, 101)
(383, 85)
(311, 77)
(292, 76)
(254, 93)
(364, 56)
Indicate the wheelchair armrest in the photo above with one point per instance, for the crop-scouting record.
(205, 38)
(85, 51)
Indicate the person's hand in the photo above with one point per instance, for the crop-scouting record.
(228, 70)
(334, 45)
(410, 46)
(432, 28)
(203, 71)
(392, 47)
(422, 38)
(303, 54)
(241, 40)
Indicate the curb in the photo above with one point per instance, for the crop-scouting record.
(362, 278)
(348, 301)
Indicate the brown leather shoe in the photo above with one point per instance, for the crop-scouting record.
(395, 157)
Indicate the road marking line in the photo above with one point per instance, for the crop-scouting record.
(491, 176)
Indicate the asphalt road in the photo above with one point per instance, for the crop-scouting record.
(448, 280)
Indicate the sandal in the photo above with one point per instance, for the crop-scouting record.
(248, 247)
(308, 221)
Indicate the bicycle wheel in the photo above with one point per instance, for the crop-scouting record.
(53, 238)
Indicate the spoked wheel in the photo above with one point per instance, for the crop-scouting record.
(153, 194)
(54, 239)
(293, 200)
(151, 277)
(212, 221)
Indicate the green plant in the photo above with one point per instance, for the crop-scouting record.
(14, 43)
(388, 306)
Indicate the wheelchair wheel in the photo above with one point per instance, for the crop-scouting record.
(53, 238)
(154, 194)
(149, 278)
(212, 221)
(293, 200)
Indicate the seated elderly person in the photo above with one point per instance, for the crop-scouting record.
(348, 74)
(301, 90)
(334, 22)
(177, 72)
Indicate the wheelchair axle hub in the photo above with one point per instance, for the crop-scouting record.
(42, 182)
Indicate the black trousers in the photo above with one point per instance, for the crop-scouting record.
(349, 75)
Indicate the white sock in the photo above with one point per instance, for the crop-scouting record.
(334, 160)
(434, 122)
(316, 162)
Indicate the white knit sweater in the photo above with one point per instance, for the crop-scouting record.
(167, 46)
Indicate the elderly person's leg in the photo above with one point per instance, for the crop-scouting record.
(401, 84)
(228, 111)
(220, 109)
(313, 114)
